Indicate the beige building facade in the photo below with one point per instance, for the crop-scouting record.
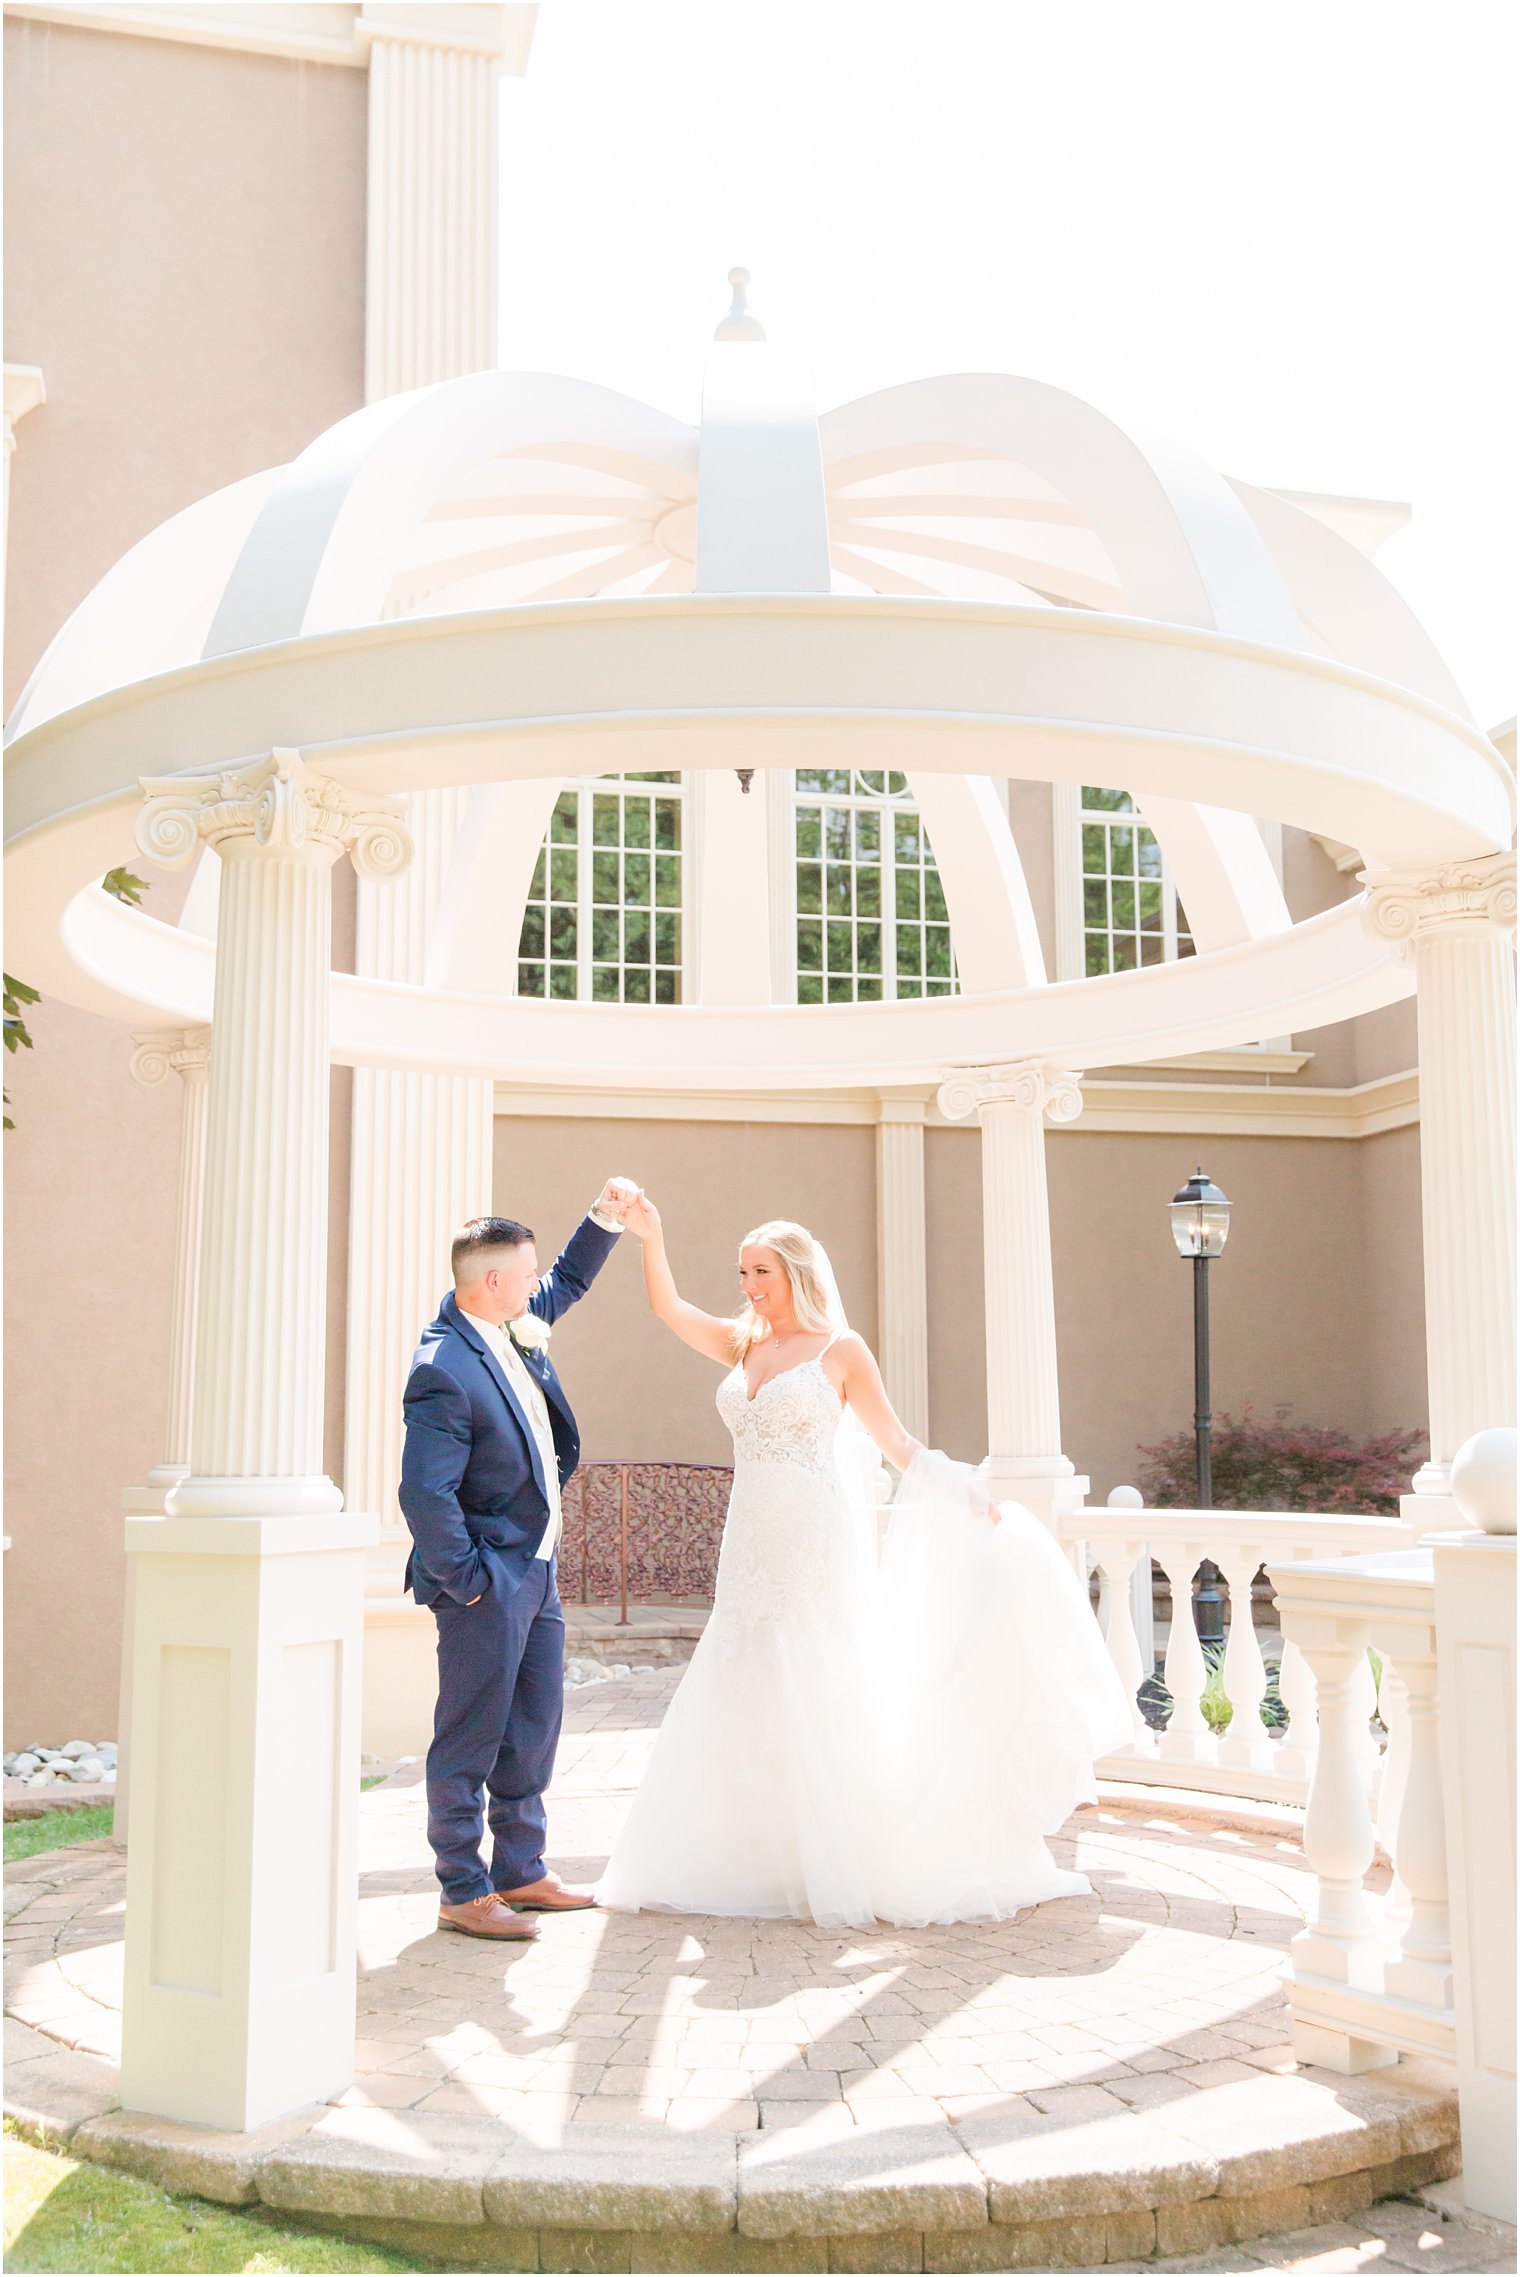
(188, 231)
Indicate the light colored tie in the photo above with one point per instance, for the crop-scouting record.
(530, 1392)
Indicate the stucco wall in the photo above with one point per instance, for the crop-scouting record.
(637, 1390)
(185, 260)
(1316, 1302)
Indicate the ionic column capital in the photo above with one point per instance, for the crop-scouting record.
(1036, 1085)
(1406, 905)
(170, 1051)
(282, 805)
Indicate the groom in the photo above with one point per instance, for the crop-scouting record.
(490, 1443)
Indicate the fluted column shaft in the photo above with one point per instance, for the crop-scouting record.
(1455, 923)
(185, 1052)
(256, 1405)
(431, 269)
(421, 1144)
(1023, 1400)
(901, 1262)
(420, 1165)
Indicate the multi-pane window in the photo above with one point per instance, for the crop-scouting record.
(605, 915)
(871, 915)
(1130, 912)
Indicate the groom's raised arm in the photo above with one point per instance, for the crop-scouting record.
(585, 1253)
(434, 1454)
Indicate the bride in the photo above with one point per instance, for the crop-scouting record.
(865, 1732)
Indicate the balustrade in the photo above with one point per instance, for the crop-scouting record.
(1119, 1540)
(1371, 1974)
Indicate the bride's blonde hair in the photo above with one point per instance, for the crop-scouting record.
(798, 1253)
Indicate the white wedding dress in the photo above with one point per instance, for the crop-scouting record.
(864, 1736)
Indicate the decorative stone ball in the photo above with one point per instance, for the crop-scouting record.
(1483, 1480)
(1126, 1498)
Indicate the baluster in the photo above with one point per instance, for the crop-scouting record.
(1364, 1701)
(1422, 1970)
(1115, 1612)
(1187, 1737)
(1245, 1745)
(1295, 1687)
(1393, 1706)
(1339, 1943)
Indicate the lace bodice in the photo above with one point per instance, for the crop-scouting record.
(793, 1417)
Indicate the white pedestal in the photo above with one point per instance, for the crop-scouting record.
(1475, 1657)
(242, 1879)
(400, 1676)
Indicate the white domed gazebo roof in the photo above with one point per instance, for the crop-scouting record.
(511, 579)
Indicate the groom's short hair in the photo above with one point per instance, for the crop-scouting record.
(481, 1234)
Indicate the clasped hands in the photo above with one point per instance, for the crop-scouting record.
(625, 1200)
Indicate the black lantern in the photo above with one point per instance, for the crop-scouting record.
(1200, 1215)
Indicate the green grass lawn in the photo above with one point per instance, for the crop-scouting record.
(61, 2213)
(29, 1837)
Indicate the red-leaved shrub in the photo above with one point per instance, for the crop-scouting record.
(1283, 1466)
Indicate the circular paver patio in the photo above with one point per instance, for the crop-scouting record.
(1163, 1983)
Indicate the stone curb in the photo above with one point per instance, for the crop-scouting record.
(1002, 2190)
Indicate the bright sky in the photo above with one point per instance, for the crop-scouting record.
(1279, 228)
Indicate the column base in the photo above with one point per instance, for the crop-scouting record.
(241, 1880)
(1046, 1485)
(199, 1495)
(400, 1677)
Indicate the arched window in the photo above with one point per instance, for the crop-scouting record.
(1130, 912)
(871, 921)
(606, 915)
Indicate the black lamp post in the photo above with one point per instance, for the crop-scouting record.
(1200, 1226)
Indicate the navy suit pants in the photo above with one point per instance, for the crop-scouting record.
(501, 1691)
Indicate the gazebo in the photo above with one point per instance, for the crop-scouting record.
(398, 648)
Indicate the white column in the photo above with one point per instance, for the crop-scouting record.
(430, 273)
(421, 1144)
(239, 1995)
(902, 1279)
(1024, 1459)
(1454, 922)
(185, 1052)
(420, 1165)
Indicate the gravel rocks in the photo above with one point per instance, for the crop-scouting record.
(80, 1762)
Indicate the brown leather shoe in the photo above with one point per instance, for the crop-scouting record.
(484, 1917)
(548, 1896)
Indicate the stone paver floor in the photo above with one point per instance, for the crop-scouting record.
(1165, 1982)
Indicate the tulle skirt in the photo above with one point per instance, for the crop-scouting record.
(864, 1737)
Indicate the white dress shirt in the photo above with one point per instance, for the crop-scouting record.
(534, 1405)
(531, 1394)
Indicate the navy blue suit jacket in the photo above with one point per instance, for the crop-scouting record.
(472, 1478)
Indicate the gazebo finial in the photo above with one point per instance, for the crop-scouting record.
(739, 324)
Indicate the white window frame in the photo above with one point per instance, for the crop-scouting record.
(585, 788)
(787, 799)
(1070, 927)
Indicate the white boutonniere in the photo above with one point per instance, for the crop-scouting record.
(529, 1334)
